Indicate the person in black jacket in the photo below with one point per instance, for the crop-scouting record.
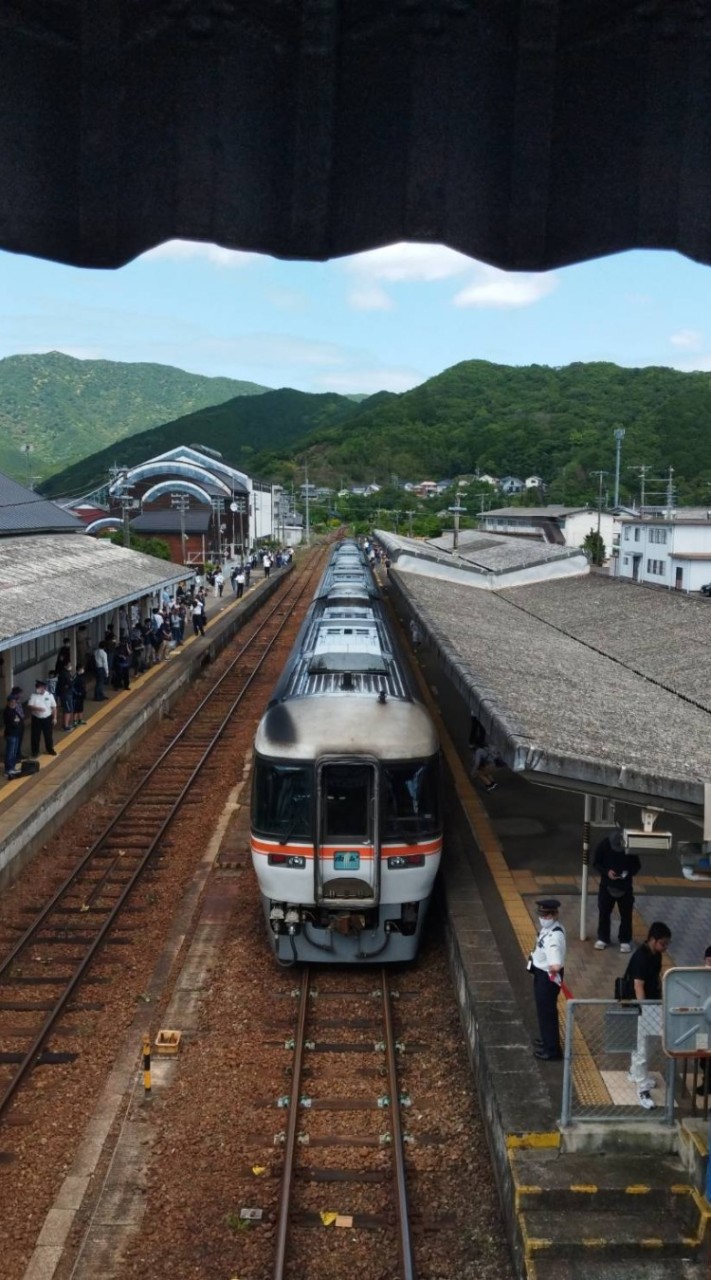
(12, 720)
(617, 870)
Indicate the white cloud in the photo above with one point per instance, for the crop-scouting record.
(399, 264)
(275, 350)
(367, 380)
(370, 298)
(505, 289)
(688, 339)
(409, 262)
(184, 250)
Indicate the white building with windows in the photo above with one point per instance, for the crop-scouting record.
(670, 549)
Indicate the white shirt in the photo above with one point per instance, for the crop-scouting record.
(42, 705)
(101, 660)
(550, 946)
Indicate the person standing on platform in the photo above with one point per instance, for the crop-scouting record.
(617, 870)
(645, 971)
(79, 695)
(546, 963)
(13, 735)
(198, 615)
(16, 692)
(43, 709)
(239, 584)
(219, 583)
(101, 665)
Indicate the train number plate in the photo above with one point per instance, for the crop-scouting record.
(347, 860)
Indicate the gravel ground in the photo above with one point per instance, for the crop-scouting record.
(219, 1125)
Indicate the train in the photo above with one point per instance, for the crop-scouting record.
(346, 817)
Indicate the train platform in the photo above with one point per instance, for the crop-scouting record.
(32, 807)
(508, 848)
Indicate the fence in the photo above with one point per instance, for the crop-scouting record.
(600, 1038)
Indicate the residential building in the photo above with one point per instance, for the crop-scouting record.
(511, 484)
(667, 549)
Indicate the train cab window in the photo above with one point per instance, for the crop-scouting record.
(281, 800)
(410, 800)
(347, 792)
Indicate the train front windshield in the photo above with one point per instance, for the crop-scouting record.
(282, 803)
(281, 800)
(410, 800)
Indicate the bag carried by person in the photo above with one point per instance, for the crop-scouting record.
(624, 987)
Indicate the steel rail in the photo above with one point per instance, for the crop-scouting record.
(287, 1177)
(34, 927)
(43, 1033)
(405, 1249)
(407, 1261)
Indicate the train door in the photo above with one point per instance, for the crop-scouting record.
(347, 854)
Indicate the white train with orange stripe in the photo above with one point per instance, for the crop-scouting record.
(346, 797)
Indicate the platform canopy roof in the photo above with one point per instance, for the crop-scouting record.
(525, 133)
(47, 583)
(588, 683)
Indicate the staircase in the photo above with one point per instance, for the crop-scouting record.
(619, 1216)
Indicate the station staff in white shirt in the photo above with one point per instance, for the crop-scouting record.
(546, 964)
(43, 710)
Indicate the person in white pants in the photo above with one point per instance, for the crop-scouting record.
(645, 971)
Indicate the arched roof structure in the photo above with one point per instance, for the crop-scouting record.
(176, 486)
(176, 470)
(106, 522)
(526, 133)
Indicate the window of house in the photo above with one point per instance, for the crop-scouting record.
(627, 533)
(636, 535)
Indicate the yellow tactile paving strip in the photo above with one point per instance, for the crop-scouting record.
(589, 1085)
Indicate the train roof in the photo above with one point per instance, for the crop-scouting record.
(301, 729)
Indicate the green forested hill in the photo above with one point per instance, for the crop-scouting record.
(66, 409)
(554, 422)
(254, 433)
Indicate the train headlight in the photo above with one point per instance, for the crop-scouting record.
(400, 861)
(286, 860)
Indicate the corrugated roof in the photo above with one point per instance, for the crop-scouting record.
(22, 511)
(552, 512)
(49, 582)
(588, 680)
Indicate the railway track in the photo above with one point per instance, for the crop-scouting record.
(44, 970)
(374, 1188)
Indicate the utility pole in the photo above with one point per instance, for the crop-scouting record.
(599, 474)
(619, 434)
(409, 515)
(123, 493)
(642, 485)
(307, 531)
(180, 502)
(670, 492)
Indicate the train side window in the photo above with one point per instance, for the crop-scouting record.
(281, 800)
(411, 799)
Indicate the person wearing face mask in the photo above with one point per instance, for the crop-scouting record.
(546, 963)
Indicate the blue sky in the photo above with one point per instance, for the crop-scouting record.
(386, 319)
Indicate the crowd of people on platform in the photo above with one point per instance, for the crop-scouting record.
(140, 644)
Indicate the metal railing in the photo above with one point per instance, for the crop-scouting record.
(601, 1037)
